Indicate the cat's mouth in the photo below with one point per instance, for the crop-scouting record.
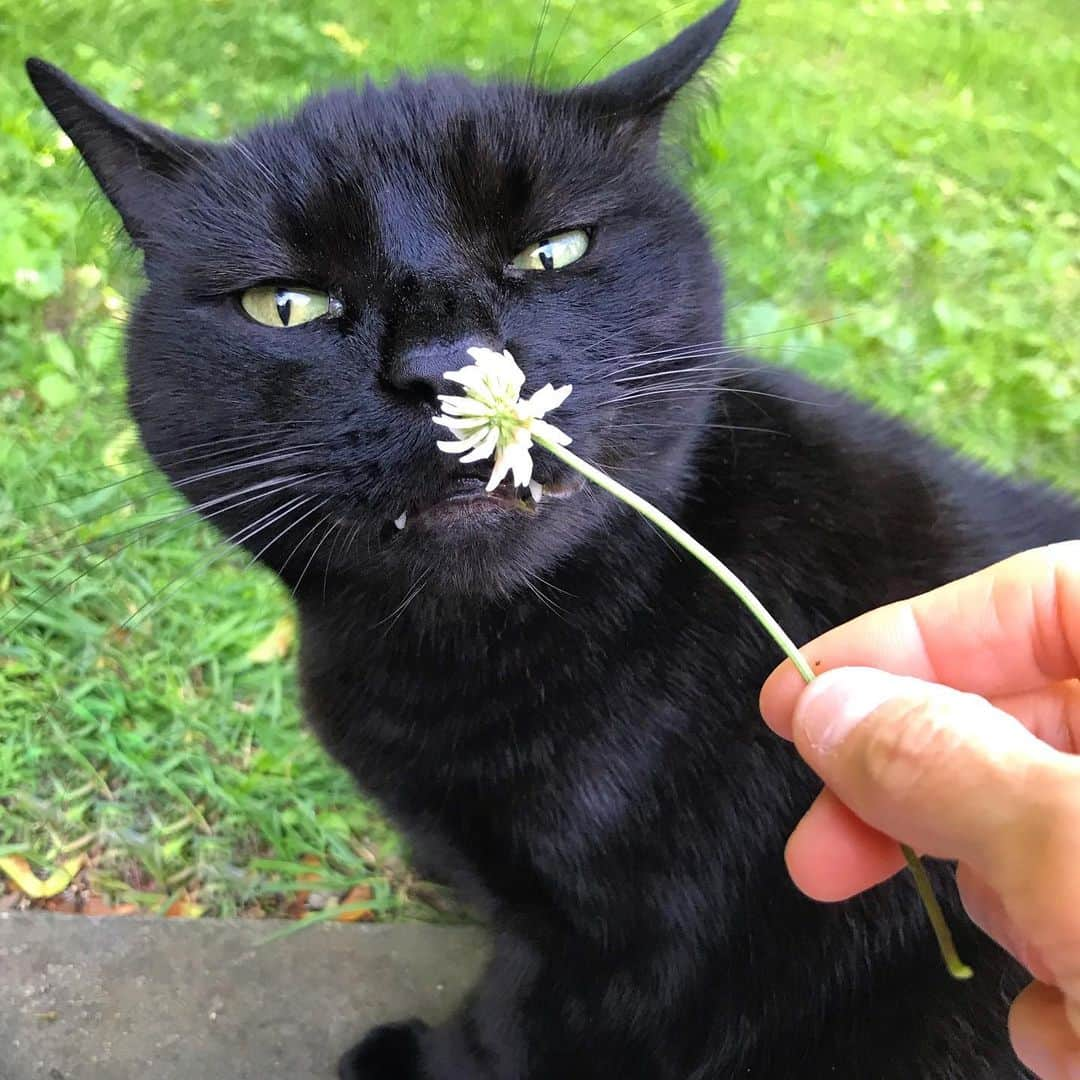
(467, 498)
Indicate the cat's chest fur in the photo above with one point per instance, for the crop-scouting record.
(601, 806)
(551, 765)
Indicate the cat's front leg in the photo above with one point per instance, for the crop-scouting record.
(483, 1041)
(388, 1052)
(412, 1051)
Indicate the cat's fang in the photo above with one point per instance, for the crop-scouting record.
(399, 522)
(536, 490)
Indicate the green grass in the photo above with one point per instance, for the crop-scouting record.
(894, 184)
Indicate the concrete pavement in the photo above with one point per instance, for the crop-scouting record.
(176, 999)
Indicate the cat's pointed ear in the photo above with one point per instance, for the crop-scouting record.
(135, 162)
(643, 89)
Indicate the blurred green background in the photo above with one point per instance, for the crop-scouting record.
(895, 186)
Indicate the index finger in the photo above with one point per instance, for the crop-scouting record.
(1010, 628)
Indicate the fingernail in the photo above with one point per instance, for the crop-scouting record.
(835, 703)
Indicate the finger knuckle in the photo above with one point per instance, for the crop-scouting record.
(1058, 810)
(909, 744)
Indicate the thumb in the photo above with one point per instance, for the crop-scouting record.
(942, 771)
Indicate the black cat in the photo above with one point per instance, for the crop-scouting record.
(559, 710)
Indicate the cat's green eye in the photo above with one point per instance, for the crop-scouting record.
(555, 252)
(285, 306)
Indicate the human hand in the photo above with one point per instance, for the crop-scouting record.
(958, 734)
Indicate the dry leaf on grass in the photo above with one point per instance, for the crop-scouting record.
(357, 895)
(184, 908)
(277, 644)
(298, 905)
(98, 905)
(64, 904)
(20, 872)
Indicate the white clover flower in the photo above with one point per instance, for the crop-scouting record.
(493, 418)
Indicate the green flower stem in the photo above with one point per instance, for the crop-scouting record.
(955, 965)
(682, 537)
(957, 968)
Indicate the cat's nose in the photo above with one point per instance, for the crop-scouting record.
(419, 371)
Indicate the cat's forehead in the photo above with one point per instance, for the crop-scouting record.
(430, 129)
(421, 162)
(398, 115)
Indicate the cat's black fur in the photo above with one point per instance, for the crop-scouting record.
(563, 717)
